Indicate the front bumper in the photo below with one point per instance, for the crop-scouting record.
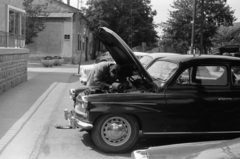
(76, 123)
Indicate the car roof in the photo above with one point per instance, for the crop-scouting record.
(200, 58)
(140, 53)
(160, 54)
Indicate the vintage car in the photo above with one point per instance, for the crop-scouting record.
(106, 56)
(176, 95)
(222, 149)
(146, 60)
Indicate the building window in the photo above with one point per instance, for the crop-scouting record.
(83, 45)
(79, 42)
(16, 22)
(67, 37)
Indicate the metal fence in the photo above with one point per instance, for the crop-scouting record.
(11, 40)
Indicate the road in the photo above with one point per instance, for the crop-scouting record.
(28, 120)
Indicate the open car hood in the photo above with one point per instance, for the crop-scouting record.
(119, 50)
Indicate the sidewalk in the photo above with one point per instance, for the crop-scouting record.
(67, 68)
(36, 98)
(39, 65)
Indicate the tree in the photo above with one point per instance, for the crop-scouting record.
(177, 30)
(227, 35)
(132, 20)
(33, 24)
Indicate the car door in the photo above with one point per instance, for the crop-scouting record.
(198, 102)
(235, 90)
(217, 97)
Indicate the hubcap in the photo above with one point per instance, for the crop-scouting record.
(116, 131)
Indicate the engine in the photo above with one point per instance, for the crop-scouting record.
(136, 86)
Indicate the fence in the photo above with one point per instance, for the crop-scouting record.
(11, 40)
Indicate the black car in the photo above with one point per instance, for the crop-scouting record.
(176, 95)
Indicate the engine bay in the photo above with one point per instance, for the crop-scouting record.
(132, 85)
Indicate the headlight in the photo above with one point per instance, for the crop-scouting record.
(85, 104)
(86, 114)
(80, 110)
(139, 154)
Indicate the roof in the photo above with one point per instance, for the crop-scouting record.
(60, 15)
(201, 58)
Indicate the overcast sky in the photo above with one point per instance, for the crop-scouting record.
(162, 7)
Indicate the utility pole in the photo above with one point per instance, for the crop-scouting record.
(79, 1)
(193, 26)
(201, 29)
(201, 21)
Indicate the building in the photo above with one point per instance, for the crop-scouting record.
(13, 54)
(66, 34)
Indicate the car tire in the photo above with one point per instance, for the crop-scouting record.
(115, 133)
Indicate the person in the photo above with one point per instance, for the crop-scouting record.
(235, 74)
(104, 74)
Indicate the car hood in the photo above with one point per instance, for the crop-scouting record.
(227, 150)
(196, 150)
(119, 50)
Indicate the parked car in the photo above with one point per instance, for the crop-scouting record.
(106, 56)
(230, 49)
(229, 149)
(139, 55)
(147, 59)
(175, 95)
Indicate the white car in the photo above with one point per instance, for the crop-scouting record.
(85, 69)
(219, 149)
(139, 55)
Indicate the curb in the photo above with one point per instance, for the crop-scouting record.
(45, 130)
(17, 127)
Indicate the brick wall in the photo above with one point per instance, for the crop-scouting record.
(13, 68)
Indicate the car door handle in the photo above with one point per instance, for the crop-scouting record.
(224, 99)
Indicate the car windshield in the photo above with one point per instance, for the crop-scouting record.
(145, 60)
(162, 70)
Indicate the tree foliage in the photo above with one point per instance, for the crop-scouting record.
(178, 28)
(132, 20)
(33, 24)
(227, 35)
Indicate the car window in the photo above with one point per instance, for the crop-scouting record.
(162, 70)
(184, 78)
(145, 60)
(235, 75)
(204, 75)
(139, 56)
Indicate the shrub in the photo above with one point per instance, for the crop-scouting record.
(48, 58)
(57, 57)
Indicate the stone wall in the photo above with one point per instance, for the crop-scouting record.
(13, 68)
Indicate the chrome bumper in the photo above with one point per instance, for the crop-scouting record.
(75, 123)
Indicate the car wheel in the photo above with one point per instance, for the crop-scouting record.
(115, 133)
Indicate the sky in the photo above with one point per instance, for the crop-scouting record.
(163, 6)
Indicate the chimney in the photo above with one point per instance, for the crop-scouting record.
(68, 2)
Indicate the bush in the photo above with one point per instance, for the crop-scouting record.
(57, 57)
(48, 58)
